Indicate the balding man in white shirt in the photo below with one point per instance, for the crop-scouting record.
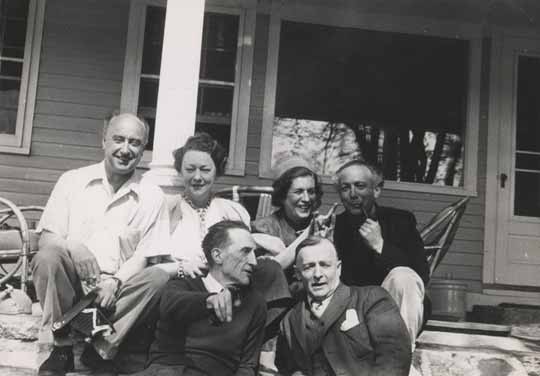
(102, 228)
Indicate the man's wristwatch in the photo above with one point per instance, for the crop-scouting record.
(180, 273)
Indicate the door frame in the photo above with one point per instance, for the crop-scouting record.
(496, 119)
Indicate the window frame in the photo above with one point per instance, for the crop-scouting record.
(246, 10)
(346, 17)
(20, 142)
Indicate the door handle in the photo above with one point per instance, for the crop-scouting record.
(503, 177)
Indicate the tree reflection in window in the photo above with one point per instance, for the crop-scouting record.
(397, 99)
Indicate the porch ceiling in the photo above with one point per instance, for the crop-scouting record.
(508, 13)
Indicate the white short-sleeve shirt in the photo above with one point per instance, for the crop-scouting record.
(114, 226)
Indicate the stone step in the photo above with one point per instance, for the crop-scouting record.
(21, 327)
(10, 371)
(456, 354)
(438, 353)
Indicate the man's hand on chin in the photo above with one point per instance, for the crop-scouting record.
(371, 232)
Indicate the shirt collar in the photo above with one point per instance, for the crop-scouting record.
(324, 303)
(96, 173)
(212, 284)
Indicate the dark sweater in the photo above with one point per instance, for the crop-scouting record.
(402, 247)
(189, 334)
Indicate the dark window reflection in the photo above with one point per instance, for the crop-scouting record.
(397, 99)
(153, 40)
(528, 108)
(13, 22)
(527, 194)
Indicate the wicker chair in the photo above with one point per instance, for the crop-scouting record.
(256, 199)
(439, 233)
(18, 241)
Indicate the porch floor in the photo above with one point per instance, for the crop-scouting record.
(437, 353)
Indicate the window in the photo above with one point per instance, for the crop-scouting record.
(527, 153)
(225, 69)
(398, 99)
(21, 23)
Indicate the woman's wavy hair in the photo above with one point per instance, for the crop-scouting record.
(283, 183)
(207, 144)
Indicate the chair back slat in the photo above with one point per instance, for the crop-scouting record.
(440, 231)
(256, 199)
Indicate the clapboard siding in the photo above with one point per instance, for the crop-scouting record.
(29, 174)
(80, 80)
(79, 83)
(61, 151)
(65, 123)
(45, 135)
(25, 186)
(95, 98)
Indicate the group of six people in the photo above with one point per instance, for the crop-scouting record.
(327, 295)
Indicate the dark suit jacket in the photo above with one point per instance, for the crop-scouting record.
(402, 247)
(378, 345)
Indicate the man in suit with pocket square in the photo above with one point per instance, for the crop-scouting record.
(337, 329)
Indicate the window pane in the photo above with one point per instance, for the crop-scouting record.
(9, 99)
(153, 40)
(13, 15)
(527, 184)
(397, 99)
(148, 92)
(218, 54)
(220, 132)
(15, 34)
(528, 110)
(152, 123)
(8, 119)
(527, 194)
(215, 100)
(12, 69)
(14, 8)
(528, 161)
(218, 63)
(149, 114)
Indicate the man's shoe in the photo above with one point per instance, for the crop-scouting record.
(99, 366)
(58, 363)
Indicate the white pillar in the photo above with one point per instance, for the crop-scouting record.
(178, 85)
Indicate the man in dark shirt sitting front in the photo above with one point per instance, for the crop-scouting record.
(380, 245)
(212, 325)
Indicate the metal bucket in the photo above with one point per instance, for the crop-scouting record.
(448, 299)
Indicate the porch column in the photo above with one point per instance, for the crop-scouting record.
(178, 84)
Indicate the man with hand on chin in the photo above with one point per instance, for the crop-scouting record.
(337, 329)
(102, 228)
(380, 245)
(212, 325)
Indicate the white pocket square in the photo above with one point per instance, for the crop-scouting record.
(351, 320)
